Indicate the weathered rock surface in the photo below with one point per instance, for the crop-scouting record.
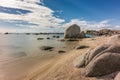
(89, 55)
(105, 64)
(114, 40)
(80, 61)
(96, 51)
(102, 60)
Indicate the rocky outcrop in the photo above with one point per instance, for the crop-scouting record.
(92, 32)
(102, 60)
(106, 32)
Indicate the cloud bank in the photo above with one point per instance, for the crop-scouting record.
(38, 14)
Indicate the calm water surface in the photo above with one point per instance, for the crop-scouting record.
(19, 53)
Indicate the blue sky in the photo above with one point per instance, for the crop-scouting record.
(56, 15)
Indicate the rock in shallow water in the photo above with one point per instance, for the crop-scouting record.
(46, 48)
(40, 38)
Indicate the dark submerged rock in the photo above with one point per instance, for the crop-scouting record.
(46, 48)
(56, 36)
(48, 38)
(40, 38)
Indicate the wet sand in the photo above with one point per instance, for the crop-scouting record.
(61, 67)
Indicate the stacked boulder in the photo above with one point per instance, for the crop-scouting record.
(101, 61)
(73, 32)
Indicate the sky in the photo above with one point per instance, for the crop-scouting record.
(56, 15)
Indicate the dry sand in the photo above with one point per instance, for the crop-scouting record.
(61, 67)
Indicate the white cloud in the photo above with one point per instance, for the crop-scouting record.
(39, 14)
(85, 25)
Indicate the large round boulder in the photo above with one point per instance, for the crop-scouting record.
(72, 31)
(105, 64)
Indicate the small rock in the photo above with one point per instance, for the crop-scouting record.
(46, 48)
(72, 40)
(61, 51)
(6, 33)
(81, 47)
(40, 38)
(48, 38)
(54, 36)
(57, 36)
(62, 40)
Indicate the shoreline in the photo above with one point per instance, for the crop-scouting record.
(61, 67)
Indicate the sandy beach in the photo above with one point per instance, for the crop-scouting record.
(61, 67)
(60, 40)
